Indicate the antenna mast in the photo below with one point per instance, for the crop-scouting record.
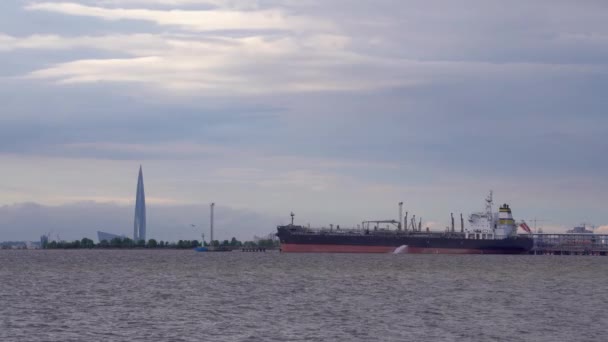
(211, 219)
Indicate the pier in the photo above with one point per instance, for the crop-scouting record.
(253, 249)
(238, 249)
(570, 244)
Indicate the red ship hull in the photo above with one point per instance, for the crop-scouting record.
(298, 248)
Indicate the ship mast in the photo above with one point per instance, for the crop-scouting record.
(400, 216)
(461, 223)
(452, 215)
(489, 202)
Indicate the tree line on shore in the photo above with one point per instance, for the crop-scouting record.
(126, 242)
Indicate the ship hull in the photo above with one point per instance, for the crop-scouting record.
(307, 248)
(397, 243)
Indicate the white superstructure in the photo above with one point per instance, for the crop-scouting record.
(488, 225)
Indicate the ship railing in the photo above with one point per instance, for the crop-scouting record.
(313, 231)
(379, 232)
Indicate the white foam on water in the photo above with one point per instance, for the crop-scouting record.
(400, 249)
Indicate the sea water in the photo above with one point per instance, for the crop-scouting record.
(170, 295)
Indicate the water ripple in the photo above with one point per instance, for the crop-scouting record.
(186, 296)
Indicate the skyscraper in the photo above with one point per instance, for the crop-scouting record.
(139, 224)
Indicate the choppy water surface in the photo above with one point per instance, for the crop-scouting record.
(82, 295)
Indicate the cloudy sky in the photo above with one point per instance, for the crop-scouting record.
(334, 109)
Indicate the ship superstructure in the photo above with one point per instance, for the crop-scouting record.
(490, 225)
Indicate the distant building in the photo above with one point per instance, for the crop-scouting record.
(580, 230)
(108, 236)
(44, 239)
(139, 224)
(33, 245)
(19, 245)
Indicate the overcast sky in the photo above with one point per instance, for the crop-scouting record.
(335, 110)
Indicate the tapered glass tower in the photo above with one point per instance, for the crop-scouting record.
(139, 224)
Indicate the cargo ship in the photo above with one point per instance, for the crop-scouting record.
(486, 233)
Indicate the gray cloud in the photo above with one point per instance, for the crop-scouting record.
(346, 101)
